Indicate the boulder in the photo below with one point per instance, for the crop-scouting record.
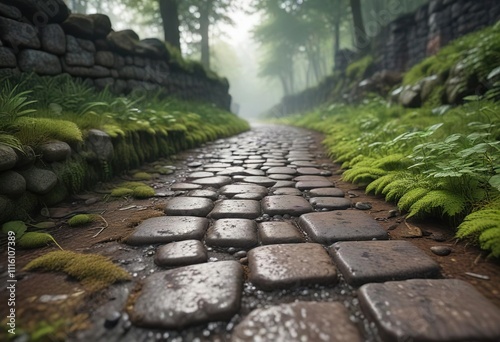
(7, 58)
(79, 71)
(26, 157)
(8, 157)
(102, 25)
(123, 41)
(82, 58)
(42, 12)
(79, 25)
(18, 35)
(39, 181)
(55, 151)
(100, 144)
(105, 59)
(53, 39)
(410, 96)
(428, 84)
(10, 12)
(159, 46)
(40, 62)
(12, 184)
(459, 84)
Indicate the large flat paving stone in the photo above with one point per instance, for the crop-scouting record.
(204, 193)
(308, 185)
(309, 171)
(421, 310)
(200, 174)
(287, 191)
(281, 170)
(231, 190)
(343, 225)
(310, 178)
(331, 203)
(285, 204)
(181, 253)
(216, 182)
(278, 232)
(247, 209)
(290, 265)
(167, 229)
(189, 295)
(260, 180)
(326, 192)
(184, 186)
(364, 262)
(189, 206)
(299, 321)
(240, 233)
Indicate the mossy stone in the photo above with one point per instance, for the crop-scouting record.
(12, 184)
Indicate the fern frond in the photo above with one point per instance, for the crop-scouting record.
(398, 188)
(449, 203)
(412, 196)
(365, 172)
(490, 240)
(393, 162)
(478, 222)
(380, 183)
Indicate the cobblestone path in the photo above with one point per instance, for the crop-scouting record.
(259, 245)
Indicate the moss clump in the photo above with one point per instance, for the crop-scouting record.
(144, 176)
(121, 192)
(33, 131)
(80, 220)
(356, 70)
(35, 240)
(94, 271)
(143, 192)
(131, 185)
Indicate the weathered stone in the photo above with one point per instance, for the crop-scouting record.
(55, 151)
(81, 58)
(275, 232)
(215, 182)
(184, 186)
(53, 39)
(331, 203)
(291, 265)
(41, 12)
(287, 191)
(279, 177)
(18, 35)
(168, 229)
(231, 190)
(430, 310)
(10, 12)
(304, 321)
(25, 158)
(204, 193)
(309, 171)
(249, 196)
(281, 170)
(441, 250)
(200, 174)
(247, 209)
(283, 184)
(159, 46)
(304, 163)
(410, 97)
(123, 41)
(6, 208)
(326, 192)
(96, 71)
(259, 180)
(253, 172)
(7, 58)
(308, 185)
(364, 262)
(40, 62)
(102, 25)
(428, 85)
(310, 178)
(189, 295)
(79, 25)
(181, 253)
(189, 206)
(281, 205)
(106, 82)
(100, 144)
(12, 184)
(8, 157)
(105, 59)
(240, 233)
(39, 181)
(344, 225)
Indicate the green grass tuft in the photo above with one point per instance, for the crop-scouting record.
(143, 192)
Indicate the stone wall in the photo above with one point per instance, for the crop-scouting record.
(412, 37)
(45, 38)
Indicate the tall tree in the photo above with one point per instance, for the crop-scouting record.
(359, 26)
(170, 19)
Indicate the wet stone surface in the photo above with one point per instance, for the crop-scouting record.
(232, 233)
(182, 253)
(430, 310)
(300, 321)
(167, 229)
(364, 262)
(346, 225)
(189, 206)
(189, 295)
(247, 209)
(284, 204)
(287, 191)
(326, 192)
(290, 265)
(330, 203)
(271, 233)
(308, 185)
(231, 190)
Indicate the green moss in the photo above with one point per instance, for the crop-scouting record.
(143, 192)
(121, 192)
(56, 195)
(93, 271)
(142, 176)
(80, 220)
(131, 185)
(356, 70)
(436, 98)
(31, 240)
(33, 131)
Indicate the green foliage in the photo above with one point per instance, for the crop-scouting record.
(357, 69)
(93, 271)
(31, 240)
(411, 197)
(18, 227)
(14, 104)
(143, 192)
(363, 174)
(35, 131)
(80, 220)
(142, 176)
(121, 192)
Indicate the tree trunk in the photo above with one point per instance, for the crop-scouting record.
(336, 27)
(361, 40)
(170, 17)
(205, 10)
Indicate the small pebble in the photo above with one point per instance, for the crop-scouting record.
(244, 261)
(393, 226)
(240, 254)
(438, 237)
(92, 200)
(363, 206)
(441, 250)
(393, 213)
(112, 319)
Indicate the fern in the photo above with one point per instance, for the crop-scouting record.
(478, 222)
(363, 173)
(412, 196)
(490, 240)
(397, 188)
(450, 203)
(393, 162)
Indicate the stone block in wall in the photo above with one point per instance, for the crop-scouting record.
(7, 58)
(12, 184)
(131, 72)
(8, 157)
(119, 61)
(101, 83)
(96, 71)
(79, 25)
(82, 58)
(139, 61)
(86, 45)
(102, 45)
(435, 6)
(105, 59)
(114, 73)
(123, 41)
(18, 35)
(9, 72)
(160, 47)
(40, 62)
(53, 39)
(129, 60)
(41, 12)
(10, 12)
(146, 50)
(55, 151)
(102, 25)
(39, 181)
(120, 87)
